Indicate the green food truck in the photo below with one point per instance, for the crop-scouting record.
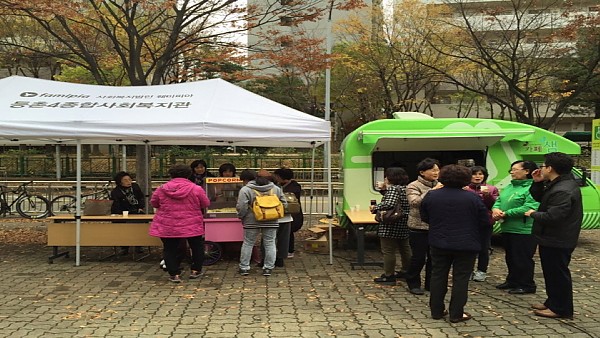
(411, 137)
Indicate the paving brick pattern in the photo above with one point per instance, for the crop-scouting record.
(121, 297)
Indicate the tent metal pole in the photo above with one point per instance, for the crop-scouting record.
(148, 178)
(312, 183)
(78, 208)
(329, 201)
(58, 163)
(123, 158)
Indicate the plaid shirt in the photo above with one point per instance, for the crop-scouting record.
(393, 195)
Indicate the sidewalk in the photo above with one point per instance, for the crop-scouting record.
(307, 298)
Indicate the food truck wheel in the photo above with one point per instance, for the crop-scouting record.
(212, 252)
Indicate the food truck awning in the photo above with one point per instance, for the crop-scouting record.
(418, 140)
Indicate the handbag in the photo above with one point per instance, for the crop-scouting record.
(389, 216)
(293, 205)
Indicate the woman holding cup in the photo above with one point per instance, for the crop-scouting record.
(488, 194)
(393, 237)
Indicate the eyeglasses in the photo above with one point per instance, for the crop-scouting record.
(543, 166)
(515, 169)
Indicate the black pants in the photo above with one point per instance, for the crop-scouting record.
(419, 244)
(296, 225)
(559, 286)
(173, 258)
(483, 258)
(462, 265)
(520, 249)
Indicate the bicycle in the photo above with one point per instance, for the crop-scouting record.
(28, 204)
(66, 204)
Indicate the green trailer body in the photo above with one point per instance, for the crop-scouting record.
(411, 137)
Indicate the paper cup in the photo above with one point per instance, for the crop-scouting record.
(125, 213)
(357, 207)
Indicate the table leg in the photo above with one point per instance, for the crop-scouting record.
(137, 259)
(56, 254)
(360, 249)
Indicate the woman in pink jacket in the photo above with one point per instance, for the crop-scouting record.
(179, 205)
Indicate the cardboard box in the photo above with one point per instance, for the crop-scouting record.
(338, 233)
(317, 245)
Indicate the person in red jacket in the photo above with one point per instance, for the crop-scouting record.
(179, 205)
(489, 195)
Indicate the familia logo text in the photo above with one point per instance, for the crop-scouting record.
(66, 96)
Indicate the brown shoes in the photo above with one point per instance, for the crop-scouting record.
(538, 306)
(546, 313)
(466, 316)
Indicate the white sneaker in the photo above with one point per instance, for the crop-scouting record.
(290, 255)
(479, 276)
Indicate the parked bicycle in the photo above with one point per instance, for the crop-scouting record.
(66, 204)
(28, 204)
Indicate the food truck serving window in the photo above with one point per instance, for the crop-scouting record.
(407, 153)
(434, 143)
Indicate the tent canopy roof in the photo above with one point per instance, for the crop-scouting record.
(210, 112)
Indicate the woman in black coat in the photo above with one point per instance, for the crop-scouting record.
(284, 177)
(127, 196)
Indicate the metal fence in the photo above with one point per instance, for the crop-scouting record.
(99, 167)
(314, 196)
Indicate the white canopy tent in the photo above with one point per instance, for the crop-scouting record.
(210, 112)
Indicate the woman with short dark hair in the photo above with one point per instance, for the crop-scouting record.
(519, 244)
(456, 218)
(488, 195)
(127, 196)
(393, 236)
(285, 178)
(227, 170)
(428, 170)
(179, 205)
(199, 172)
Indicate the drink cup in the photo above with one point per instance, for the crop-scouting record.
(125, 213)
(357, 207)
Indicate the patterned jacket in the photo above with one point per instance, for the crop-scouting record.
(415, 191)
(393, 195)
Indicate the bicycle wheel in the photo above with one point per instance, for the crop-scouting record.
(212, 253)
(63, 205)
(34, 206)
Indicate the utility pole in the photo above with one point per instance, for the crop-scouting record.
(327, 157)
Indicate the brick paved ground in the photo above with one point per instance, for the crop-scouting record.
(307, 298)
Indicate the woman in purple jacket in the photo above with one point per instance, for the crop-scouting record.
(179, 205)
